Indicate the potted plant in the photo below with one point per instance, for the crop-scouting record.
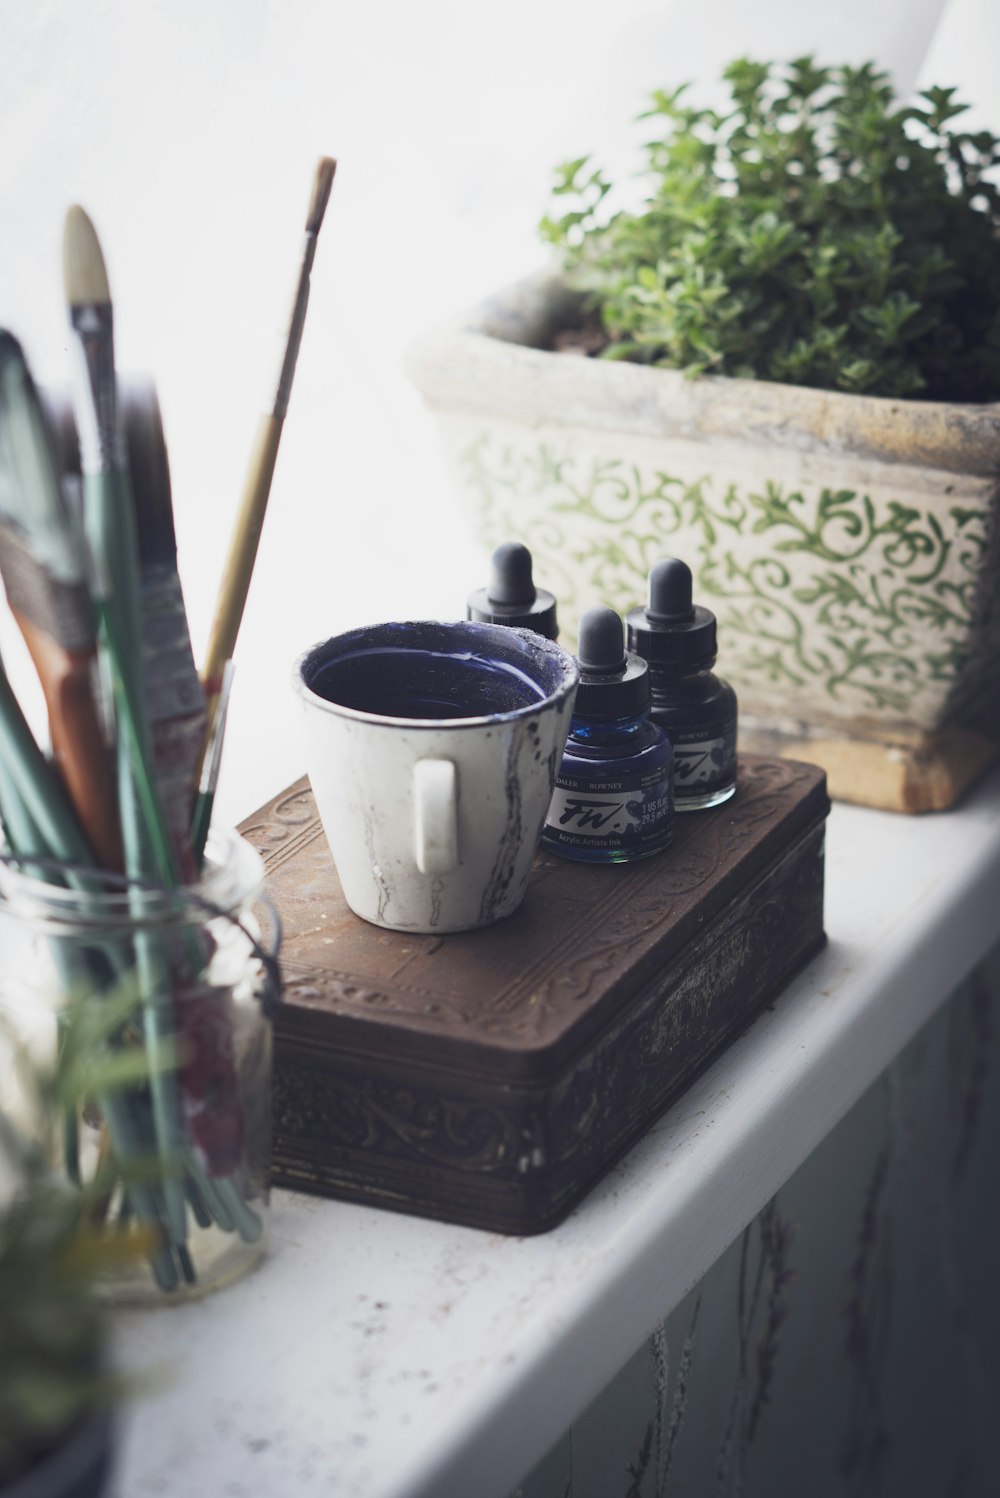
(789, 377)
(56, 1393)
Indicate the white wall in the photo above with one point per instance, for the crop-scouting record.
(190, 128)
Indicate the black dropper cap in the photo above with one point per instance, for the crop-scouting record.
(671, 630)
(614, 683)
(510, 596)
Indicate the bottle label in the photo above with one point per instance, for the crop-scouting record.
(627, 812)
(703, 763)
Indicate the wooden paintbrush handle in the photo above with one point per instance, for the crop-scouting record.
(78, 740)
(82, 757)
(242, 555)
(250, 520)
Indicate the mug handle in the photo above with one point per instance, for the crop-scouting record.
(435, 804)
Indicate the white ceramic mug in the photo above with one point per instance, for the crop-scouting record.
(432, 751)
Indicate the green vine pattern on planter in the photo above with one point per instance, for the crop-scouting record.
(864, 604)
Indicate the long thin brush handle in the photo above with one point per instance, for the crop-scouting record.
(111, 525)
(241, 557)
(143, 1197)
(23, 837)
(250, 519)
(77, 739)
(35, 784)
(148, 850)
(27, 839)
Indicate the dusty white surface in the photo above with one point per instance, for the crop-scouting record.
(377, 1356)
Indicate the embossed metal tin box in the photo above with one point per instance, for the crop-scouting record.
(491, 1077)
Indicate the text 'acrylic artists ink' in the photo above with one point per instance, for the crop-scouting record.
(613, 797)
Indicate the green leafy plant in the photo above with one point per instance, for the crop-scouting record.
(817, 232)
(54, 1246)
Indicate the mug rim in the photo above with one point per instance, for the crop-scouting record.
(559, 653)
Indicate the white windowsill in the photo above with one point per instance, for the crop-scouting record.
(380, 1356)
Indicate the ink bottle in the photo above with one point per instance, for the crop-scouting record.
(697, 708)
(510, 597)
(613, 799)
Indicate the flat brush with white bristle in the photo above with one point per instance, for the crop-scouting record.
(174, 699)
(109, 518)
(110, 522)
(108, 504)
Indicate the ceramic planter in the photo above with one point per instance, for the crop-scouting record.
(847, 544)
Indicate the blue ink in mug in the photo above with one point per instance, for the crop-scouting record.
(406, 681)
(510, 597)
(613, 800)
(696, 707)
(432, 751)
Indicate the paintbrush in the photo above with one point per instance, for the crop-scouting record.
(204, 801)
(245, 539)
(207, 1075)
(110, 520)
(25, 773)
(174, 698)
(44, 563)
(25, 841)
(38, 824)
(110, 524)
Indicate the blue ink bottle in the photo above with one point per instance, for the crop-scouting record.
(613, 800)
(510, 597)
(697, 708)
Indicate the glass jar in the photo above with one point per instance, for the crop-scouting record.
(612, 801)
(176, 988)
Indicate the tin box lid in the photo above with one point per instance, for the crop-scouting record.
(519, 1001)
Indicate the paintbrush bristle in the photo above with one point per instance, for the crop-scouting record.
(84, 274)
(42, 551)
(10, 349)
(149, 471)
(322, 183)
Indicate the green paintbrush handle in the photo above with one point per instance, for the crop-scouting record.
(149, 852)
(23, 837)
(111, 529)
(41, 823)
(36, 786)
(145, 836)
(20, 827)
(143, 1197)
(158, 1028)
(222, 1197)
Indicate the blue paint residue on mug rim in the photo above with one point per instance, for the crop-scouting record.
(519, 650)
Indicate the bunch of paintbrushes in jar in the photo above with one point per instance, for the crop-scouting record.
(117, 812)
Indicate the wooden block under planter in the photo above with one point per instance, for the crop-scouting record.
(491, 1078)
(922, 772)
